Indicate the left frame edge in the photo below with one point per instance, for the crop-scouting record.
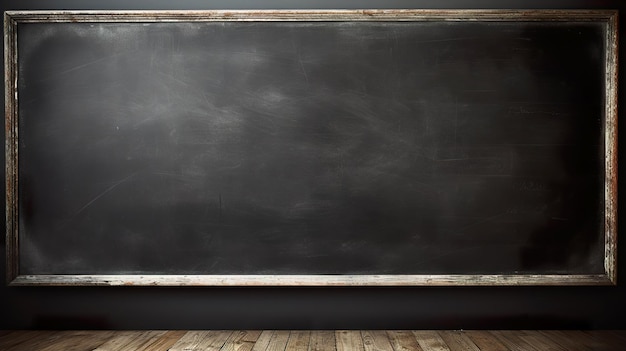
(10, 100)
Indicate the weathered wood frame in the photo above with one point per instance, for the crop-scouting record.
(12, 19)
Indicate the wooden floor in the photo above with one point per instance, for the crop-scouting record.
(364, 340)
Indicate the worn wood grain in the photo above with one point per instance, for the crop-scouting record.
(588, 340)
(41, 340)
(322, 340)
(611, 338)
(11, 145)
(485, 341)
(242, 340)
(16, 338)
(143, 339)
(163, 342)
(403, 340)
(540, 341)
(125, 340)
(607, 338)
(309, 280)
(430, 340)
(80, 341)
(311, 15)
(278, 341)
(299, 340)
(349, 340)
(263, 341)
(513, 341)
(611, 160)
(564, 339)
(457, 341)
(190, 340)
(214, 340)
(376, 340)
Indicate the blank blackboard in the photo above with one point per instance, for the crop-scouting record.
(345, 147)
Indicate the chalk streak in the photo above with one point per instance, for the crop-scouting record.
(89, 63)
(106, 191)
(306, 77)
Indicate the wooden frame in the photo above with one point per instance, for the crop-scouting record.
(12, 20)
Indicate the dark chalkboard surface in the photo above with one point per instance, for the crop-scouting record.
(339, 147)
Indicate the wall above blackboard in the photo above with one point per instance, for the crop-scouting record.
(391, 147)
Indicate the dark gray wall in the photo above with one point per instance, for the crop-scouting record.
(318, 308)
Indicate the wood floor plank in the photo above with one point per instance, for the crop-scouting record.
(164, 342)
(250, 335)
(581, 338)
(38, 340)
(4, 333)
(349, 340)
(278, 341)
(564, 340)
(142, 339)
(16, 338)
(540, 341)
(9, 335)
(123, 341)
(512, 340)
(212, 341)
(376, 340)
(323, 340)
(619, 333)
(81, 341)
(403, 340)
(61, 336)
(263, 341)
(604, 340)
(341, 340)
(429, 340)
(587, 338)
(52, 341)
(190, 340)
(299, 340)
(485, 341)
(241, 340)
(457, 341)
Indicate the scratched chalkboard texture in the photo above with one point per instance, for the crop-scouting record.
(311, 148)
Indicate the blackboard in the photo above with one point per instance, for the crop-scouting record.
(311, 148)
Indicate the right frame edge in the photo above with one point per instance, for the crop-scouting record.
(611, 146)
